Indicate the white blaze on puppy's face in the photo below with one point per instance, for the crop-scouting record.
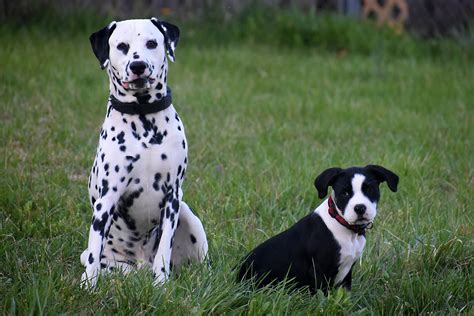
(360, 200)
(137, 41)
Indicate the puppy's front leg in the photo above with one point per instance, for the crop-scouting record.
(347, 281)
(169, 219)
(104, 209)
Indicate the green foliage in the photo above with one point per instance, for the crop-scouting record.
(257, 24)
(262, 121)
(325, 32)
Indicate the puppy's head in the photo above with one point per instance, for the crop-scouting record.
(356, 190)
(134, 52)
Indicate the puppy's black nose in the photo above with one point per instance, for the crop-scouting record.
(137, 67)
(360, 209)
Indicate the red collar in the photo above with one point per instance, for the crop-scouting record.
(358, 229)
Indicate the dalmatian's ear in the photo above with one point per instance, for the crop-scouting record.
(100, 43)
(171, 34)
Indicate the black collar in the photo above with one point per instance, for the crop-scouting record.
(358, 229)
(136, 108)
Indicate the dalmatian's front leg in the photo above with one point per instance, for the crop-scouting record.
(104, 209)
(169, 219)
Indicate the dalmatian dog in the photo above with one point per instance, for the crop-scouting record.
(139, 216)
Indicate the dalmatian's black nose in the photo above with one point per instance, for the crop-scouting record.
(138, 67)
(359, 209)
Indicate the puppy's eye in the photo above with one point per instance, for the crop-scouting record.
(345, 194)
(123, 47)
(151, 44)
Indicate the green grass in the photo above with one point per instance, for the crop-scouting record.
(262, 121)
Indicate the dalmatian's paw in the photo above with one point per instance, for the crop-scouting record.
(89, 279)
(160, 278)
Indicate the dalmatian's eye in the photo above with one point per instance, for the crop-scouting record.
(151, 44)
(345, 194)
(123, 47)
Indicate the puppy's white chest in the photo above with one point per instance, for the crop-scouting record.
(351, 251)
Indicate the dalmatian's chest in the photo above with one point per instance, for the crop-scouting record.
(144, 156)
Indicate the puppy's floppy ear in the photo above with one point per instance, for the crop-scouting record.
(171, 34)
(383, 174)
(100, 43)
(326, 179)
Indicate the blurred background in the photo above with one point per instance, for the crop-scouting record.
(401, 28)
(426, 18)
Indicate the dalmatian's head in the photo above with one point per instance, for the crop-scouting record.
(356, 190)
(134, 54)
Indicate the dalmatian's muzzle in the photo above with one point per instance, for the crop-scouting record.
(139, 76)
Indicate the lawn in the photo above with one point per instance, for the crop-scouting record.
(262, 121)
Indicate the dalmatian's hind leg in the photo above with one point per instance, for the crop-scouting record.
(84, 256)
(190, 242)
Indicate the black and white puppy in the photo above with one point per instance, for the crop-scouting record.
(320, 250)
